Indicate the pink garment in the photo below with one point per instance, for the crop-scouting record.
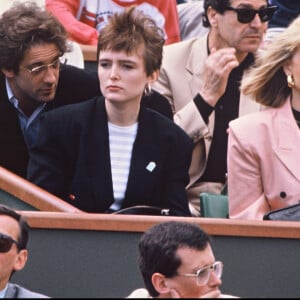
(84, 18)
(263, 162)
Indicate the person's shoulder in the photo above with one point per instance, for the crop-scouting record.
(176, 55)
(254, 118)
(74, 110)
(17, 291)
(157, 117)
(168, 127)
(139, 293)
(185, 44)
(76, 85)
(71, 69)
(254, 126)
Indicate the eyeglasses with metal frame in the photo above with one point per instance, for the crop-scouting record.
(6, 243)
(43, 68)
(202, 275)
(246, 15)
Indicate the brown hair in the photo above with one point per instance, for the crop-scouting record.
(24, 25)
(127, 30)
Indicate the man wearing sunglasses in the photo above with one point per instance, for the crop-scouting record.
(13, 253)
(176, 261)
(200, 77)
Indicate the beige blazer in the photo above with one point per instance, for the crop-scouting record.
(180, 80)
(263, 162)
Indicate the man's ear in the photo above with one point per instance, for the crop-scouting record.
(21, 260)
(8, 73)
(159, 281)
(212, 16)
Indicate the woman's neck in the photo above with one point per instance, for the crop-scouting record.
(295, 100)
(122, 114)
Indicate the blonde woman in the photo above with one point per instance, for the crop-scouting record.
(264, 147)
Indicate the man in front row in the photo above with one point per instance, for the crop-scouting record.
(13, 253)
(176, 261)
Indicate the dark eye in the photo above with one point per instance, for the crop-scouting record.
(127, 66)
(104, 64)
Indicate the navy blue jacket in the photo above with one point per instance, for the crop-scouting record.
(286, 12)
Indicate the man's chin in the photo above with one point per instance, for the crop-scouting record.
(251, 47)
(47, 97)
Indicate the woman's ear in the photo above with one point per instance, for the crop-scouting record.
(153, 77)
(287, 67)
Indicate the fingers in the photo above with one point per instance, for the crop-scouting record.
(217, 68)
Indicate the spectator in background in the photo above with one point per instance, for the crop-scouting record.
(286, 12)
(263, 148)
(200, 77)
(13, 253)
(83, 19)
(111, 153)
(190, 16)
(177, 261)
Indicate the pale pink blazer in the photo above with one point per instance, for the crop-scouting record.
(263, 162)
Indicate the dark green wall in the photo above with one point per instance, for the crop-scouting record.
(99, 264)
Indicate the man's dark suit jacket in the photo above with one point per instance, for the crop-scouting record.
(74, 85)
(72, 159)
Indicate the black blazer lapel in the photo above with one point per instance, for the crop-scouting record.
(145, 158)
(98, 159)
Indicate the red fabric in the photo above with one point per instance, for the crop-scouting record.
(83, 30)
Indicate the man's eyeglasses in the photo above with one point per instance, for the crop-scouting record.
(203, 274)
(43, 68)
(246, 15)
(6, 243)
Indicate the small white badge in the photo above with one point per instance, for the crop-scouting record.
(151, 166)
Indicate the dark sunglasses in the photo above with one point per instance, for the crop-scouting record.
(246, 15)
(6, 243)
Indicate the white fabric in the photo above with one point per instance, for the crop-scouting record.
(121, 141)
(190, 19)
(75, 57)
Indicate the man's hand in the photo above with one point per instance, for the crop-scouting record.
(217, 68)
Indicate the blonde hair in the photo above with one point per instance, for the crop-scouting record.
(266, 81)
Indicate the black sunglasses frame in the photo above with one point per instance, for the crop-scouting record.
(246, 15)
(4, 248)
